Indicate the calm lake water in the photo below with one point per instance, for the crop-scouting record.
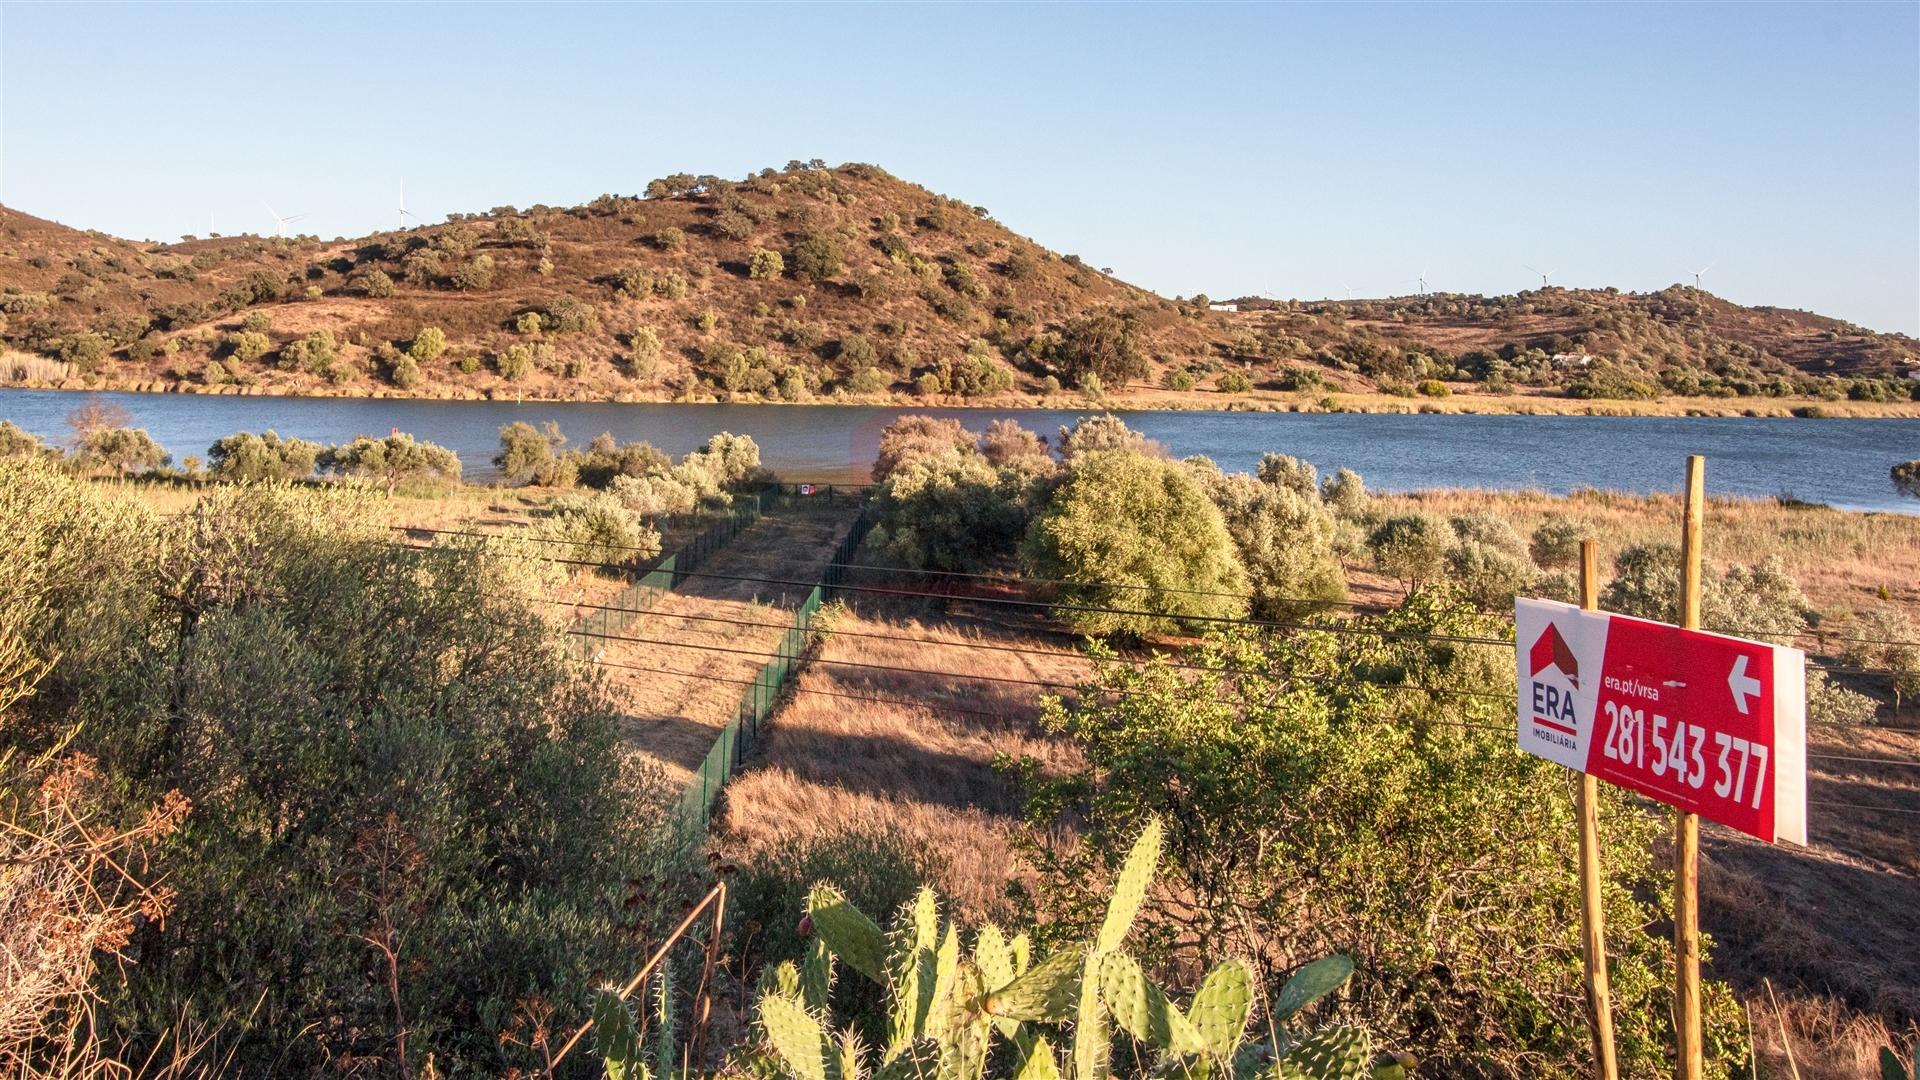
(1840, 462)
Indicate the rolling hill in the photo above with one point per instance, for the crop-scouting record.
(812, 283)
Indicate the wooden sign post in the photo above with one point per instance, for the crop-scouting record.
(1686, 838)
(1593, 925)
(1711, 725)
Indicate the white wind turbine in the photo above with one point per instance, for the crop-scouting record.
(1544, 274)
(280, 223)
(1697, 273)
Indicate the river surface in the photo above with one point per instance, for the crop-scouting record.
(1840, 462)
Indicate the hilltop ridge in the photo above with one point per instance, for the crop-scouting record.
(814, 283)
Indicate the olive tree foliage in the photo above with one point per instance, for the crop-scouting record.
(1884, 638)
(913, 436)
(1759, 601)
(1092, 434)
(530, 454)
(1295, 474)
(395, 460)
(1489, 560)
(120, 451)
(597, 529)
(16, 441)
(309, 688)
(1285, 540)
(1906, 478)
(1345, 493)
(1411, 547)
(950, 509)
(1103, 346)
(244, 457)
(1131, 531)
(1556, 543)
(1309, 811)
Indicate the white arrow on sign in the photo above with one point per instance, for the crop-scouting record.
(1744, 686)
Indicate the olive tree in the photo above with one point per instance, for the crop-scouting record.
(399, 458)
(1130, 531)
(1411, 547)
(243, 457)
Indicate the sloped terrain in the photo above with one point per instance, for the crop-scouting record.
(814, 283)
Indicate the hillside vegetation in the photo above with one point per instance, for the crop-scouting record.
(812, 283)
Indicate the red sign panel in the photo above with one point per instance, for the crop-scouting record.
(1710, 724)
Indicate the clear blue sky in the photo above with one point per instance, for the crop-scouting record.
(1225, 149)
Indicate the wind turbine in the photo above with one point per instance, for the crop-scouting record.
(404, 212)
(1544, 274)
(280, 223)
(1697, 273)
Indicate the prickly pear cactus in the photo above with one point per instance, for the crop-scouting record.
(1047, 993)
(1336, 1053)
(617, 1038)
(1143, 1009)
(1220, 1007)
(852, 936)
(1130, 888)
(800, 1041)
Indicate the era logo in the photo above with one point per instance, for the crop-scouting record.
(1553, 706)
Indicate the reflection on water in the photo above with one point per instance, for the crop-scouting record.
(1842, 462)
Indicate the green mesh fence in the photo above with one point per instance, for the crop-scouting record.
(742, 732)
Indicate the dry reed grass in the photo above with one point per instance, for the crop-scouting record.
(1841, 558)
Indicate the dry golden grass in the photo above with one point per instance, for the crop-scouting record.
(672, 720)
(1841, 558)
(923, 770)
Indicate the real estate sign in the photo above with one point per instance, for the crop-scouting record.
(1711, 724)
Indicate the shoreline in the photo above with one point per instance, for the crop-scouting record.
(1154, 400)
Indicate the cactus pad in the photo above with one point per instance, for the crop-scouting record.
(798, 1038)
(1220, 1007)
(1130, 888)
(851, 935)
(1047, 992)
(1336, 1053)
(1311, 983)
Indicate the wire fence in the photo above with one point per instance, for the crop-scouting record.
(644, 591)
(742, 732)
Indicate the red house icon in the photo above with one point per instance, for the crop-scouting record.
(1551, 651)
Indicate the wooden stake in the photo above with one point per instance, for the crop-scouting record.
(1593, 926)
(1686, 838)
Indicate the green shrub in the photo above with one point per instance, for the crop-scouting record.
(1411, 547)
(766, 263)
(1314, 813)
(313, 354)
(405, 373)
(244, 457)
(248, 346)
(306, 710)
(395, 460)
(817, 256)
(1134, 532)
(372, 282)
(1556, 543)
(428, 344)
(644, 358)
